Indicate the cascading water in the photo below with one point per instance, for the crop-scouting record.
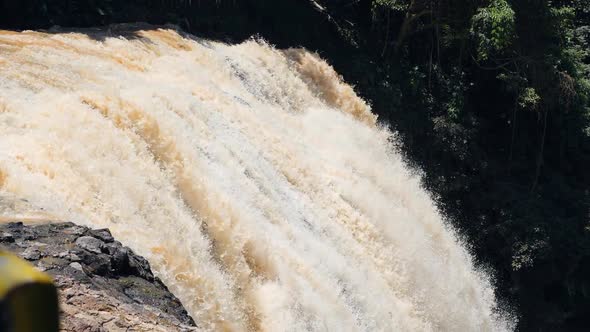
(256, 182)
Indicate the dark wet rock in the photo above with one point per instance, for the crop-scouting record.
(102, 234)
(28, 235)
(49, 263)
(139, 266)
(76, 266)
(31, 253)
(6, 237)
(75, 230)
(97, 264)
(90, 243)
(18, 230)
(99, 279)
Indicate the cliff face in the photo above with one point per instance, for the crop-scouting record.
(103, 286)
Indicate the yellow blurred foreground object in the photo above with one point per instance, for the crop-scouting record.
(28, 298)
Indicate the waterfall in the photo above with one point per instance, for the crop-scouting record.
(260, 187)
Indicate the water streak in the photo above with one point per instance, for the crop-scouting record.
(257, 183)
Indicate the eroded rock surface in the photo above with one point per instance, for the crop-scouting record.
(103, 285)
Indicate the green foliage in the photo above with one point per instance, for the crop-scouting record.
(525, 253)
(528, 99)
(454, 86)
(509, 111)
(572, 59)
(493, 28)
(399, 5)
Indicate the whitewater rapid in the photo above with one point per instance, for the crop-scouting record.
(257, 183)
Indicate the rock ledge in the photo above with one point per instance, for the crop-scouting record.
(103, 285)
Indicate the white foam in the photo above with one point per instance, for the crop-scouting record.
(257, 183)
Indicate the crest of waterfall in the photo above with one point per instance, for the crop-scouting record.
(257, 183)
